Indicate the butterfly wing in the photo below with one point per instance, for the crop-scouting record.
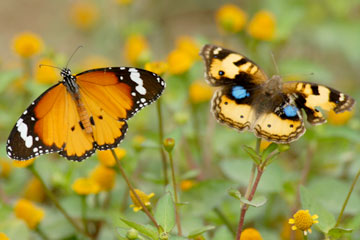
(311, 96)
(37, 130)
(113, 95)
(232, 106)
(279, 119)
(225, 67)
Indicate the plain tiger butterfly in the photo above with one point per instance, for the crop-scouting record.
(83, 112)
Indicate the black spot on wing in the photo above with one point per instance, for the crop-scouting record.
(241, 62)
(315, 89)
(81, 125)
(334, 96)
(92, 121)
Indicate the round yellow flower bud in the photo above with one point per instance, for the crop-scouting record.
(27, 44)
(230, 18)
(262, 26)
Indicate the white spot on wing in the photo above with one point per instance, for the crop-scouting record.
(22, 128)
(135, 77)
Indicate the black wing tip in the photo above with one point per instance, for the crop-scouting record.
(346, 105)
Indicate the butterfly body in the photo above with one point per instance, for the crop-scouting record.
(83, 112)
(272, 109)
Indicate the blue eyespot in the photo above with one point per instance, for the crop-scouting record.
(290, 111)
(239, 92)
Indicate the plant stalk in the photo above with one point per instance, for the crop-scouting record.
(57, 204)
(146, 211)
(347, 199)
(161, 139)
(178, 222)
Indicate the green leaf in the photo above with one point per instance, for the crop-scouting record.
(283, 147)
(272, 158)
(199, 231)
(165, 212)
(208, 194)
(337, 232)
(172, 237)
(256, 202)
(272, 147)
(222, 233)
(144, 229)
(252, 153)
(326, 219)
(234, 193)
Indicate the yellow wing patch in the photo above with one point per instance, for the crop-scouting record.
(226, 110)
(228, 67)
(273, 128)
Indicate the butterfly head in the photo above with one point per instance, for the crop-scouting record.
(65, 72)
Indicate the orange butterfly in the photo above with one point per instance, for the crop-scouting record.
(83, 112)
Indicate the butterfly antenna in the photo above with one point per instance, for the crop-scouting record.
(72, 55)
(45, 65)
(274, 61)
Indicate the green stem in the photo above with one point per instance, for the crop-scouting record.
(161, 139)
(251, 189)
(223, 218)
(305, 237)
(252, 174)
(83, 212)
(347, 198)
(56, 203)
(178, 222)
(146, 211)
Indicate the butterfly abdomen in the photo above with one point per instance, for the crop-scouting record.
(85, 120)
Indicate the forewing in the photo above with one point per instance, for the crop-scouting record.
(225, 67)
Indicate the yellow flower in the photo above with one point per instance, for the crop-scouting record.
(250, 234)
(157, 67)
(340, 118)
(104, 177)
(136, 49)
(303, 221)
(187, 184)
(96, 62)
(28, 212)
(287, 232)
(85, 186)
(189, 46)
(3, 236)
(27, 44)
(231, 18)
(84, 15)
(143, 197)
(46, 74)
(23, 163)
(124, 2)
(200, 92)
(107, 158)
(264, 145)
(5, 168)
(262, 26)
(179, 61)
(34, 191)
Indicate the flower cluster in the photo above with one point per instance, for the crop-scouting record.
(232, 19)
